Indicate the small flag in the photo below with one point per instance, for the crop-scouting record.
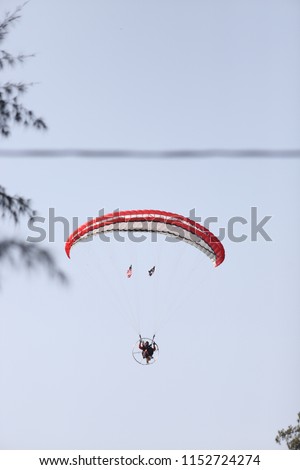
(129, 271)
(151, 271)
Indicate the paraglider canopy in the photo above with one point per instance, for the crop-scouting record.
(162, 222)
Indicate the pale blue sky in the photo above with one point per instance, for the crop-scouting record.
(145, 75)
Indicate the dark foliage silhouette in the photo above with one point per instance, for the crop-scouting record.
(12, 110)
(291, 436)
(12, 251)
(20, 253)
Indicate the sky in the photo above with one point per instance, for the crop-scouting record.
(151, 76)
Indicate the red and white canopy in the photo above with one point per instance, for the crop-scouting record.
(158, 221)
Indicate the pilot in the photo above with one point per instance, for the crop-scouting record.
(147, 349)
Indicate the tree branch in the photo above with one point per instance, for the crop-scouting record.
(9, 19)
(31, 256)
(15, 206)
